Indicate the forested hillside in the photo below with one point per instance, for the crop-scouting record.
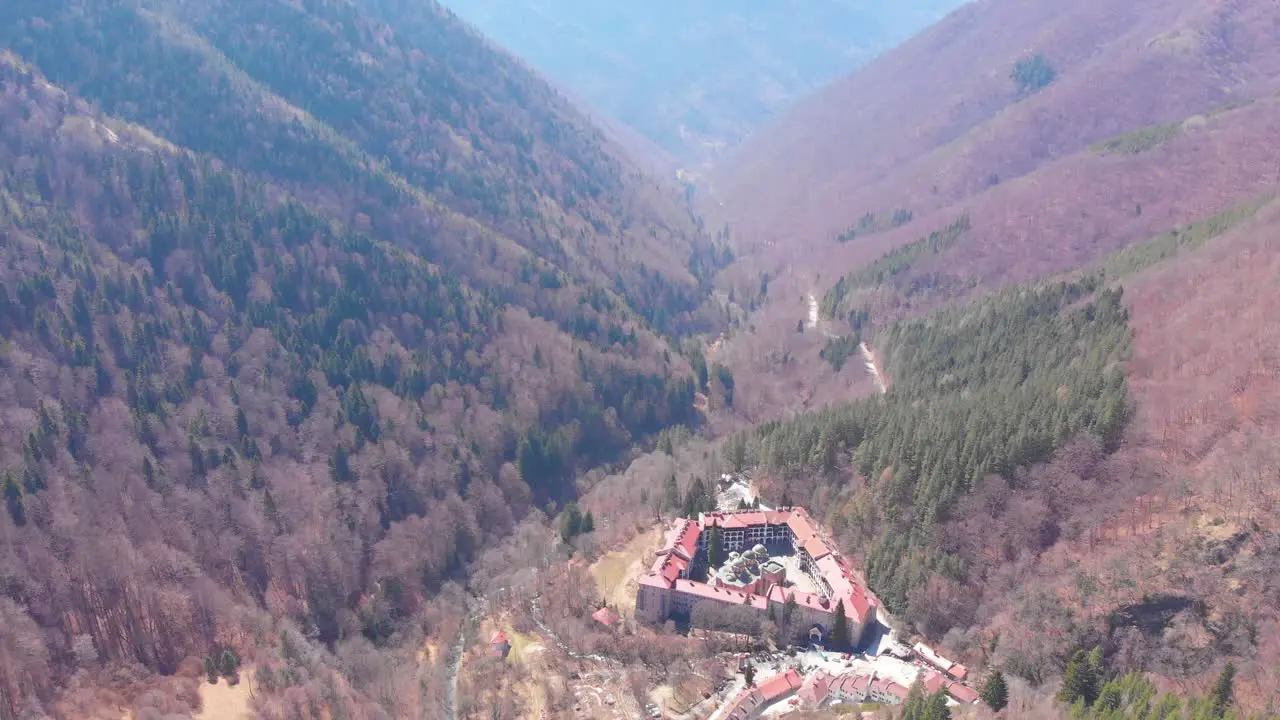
(1004, 488)
(300, 313)
(979, 392)
(386, 130)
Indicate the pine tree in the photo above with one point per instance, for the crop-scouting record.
(713, 548)
(935, 707)
(914, 707)
(1224, 690)
(13, 498)
(340, 465)
(229, 665)
(749, 674)
(995, 692)
(840, 628)
(1097, 675)
(1082, 680)
(570, 522)
(670, 493)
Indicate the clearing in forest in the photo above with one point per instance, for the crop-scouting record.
(615, 573)
(224, 701)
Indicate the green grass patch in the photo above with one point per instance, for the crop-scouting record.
(1138, 141)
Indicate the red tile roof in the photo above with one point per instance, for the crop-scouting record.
(816, 547)
(932, 657)
(815, 687)
(605, 616)
(742, 705)
(780, 685)
(672, 566)
(654, 580)
(889, 687)
(852, 684)
(687, 541)
(801, 528)
(933, 682)
(962, 693)
(777, 517)
(707, 592)
(498, 637)
(844, 586)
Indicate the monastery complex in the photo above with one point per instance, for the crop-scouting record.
(755, 550)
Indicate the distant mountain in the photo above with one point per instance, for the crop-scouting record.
(302, 306)
(941, 118)
(695, 75)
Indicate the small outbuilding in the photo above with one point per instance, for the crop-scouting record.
(606, 617)
(499, 645)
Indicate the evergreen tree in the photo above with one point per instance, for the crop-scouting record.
(749, 674)
(840, 628)
(995, 693)
(698, 499)
(340, 465)
(735, 452)
(670, 493)
(1224, 691)
(1096, 676)
(13, 498)
(229, 665)
(713, 548)
(914, 707)
(935, 707)
(1081, 681)
(789, 612)
(570, 522)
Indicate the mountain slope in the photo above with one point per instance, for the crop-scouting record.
(368, 117)
(693, 75)
(939, 118)
(987, 239)
(281, 356)
(1033, 174)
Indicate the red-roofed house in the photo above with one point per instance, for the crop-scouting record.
(931, 656)
(962, 693)
(884, 690)
(499, 645)
(820, 688)
(780, 686)
(606, 617)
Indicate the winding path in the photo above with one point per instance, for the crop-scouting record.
(869, 359)
(868, 356)
(476, 607)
